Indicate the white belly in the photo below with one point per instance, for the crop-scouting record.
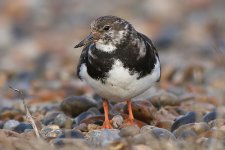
(120, 85)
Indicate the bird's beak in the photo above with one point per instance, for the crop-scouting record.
(85, 41)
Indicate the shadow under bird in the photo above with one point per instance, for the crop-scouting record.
(118, 62)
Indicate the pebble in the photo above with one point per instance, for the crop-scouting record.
(210, 116)
(165, 113)
(164, 99)
(92, 127)
(50, 131)
(71, 134)
(187, 135)
(94, 110)
(1, 124)
(197, 128)
(186, 119)
(28, 134)
(81, 143)
(166, 124)
(143, 110)
(158, 133)
(83, 116)
(75, 105)
(129, 131)
(11, 124)
(117, 121)
(217, 123)
(118, 108)
(23, 127)
(8, 133)
(214, 133)
(50, 117)
(11, 114)
(98, 120)
(103, 137)
(63, 121)
(141, 147)
(82, 127)
(222, 128)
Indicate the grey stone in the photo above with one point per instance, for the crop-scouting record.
(117, 121)
(50, 132)
(75, 105)
(182, 120)
(22, 127)
(158, 133)
(50, 117)
(197, 128)
(11, 124)
(63, 121)
(71, 134)
(103, 137)
(129, 131)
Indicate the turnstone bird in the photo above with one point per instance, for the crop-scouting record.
(118, 62)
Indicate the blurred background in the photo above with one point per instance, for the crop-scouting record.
(37, 39)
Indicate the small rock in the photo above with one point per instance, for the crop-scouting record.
(143, 138)
(94, 110)
(92, 127)
(11, 124)
(50, 131)
(198, 128)
(117, 121)
(8, 133)
(103, 137)
(11, 114)
(98, 120)
(118, 144)
(158, 133)
(1, 124)
(75, 105)
(22, 127)
(187, 135)
(63, 121)
(129, 131)
(186, 119)
(166, 124)
(222, 128)
(166, 113)
(143, 110)
(164, 99)
(118, 108)
(50, 117)
(214, 133)
(71, 134)
(217, 123)
(81, 143)
(84, 115)
(29, 134)
(82, 127)
(141, 147)
(210, 116)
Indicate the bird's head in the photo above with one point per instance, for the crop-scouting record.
(107, 31)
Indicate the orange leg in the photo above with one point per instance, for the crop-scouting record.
(106, 124)
(130, 119)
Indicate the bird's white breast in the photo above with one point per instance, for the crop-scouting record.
(120, 85)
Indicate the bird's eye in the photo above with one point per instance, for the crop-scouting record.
(106, 28)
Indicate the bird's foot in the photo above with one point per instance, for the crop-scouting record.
(129, 122)
(107, 125)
